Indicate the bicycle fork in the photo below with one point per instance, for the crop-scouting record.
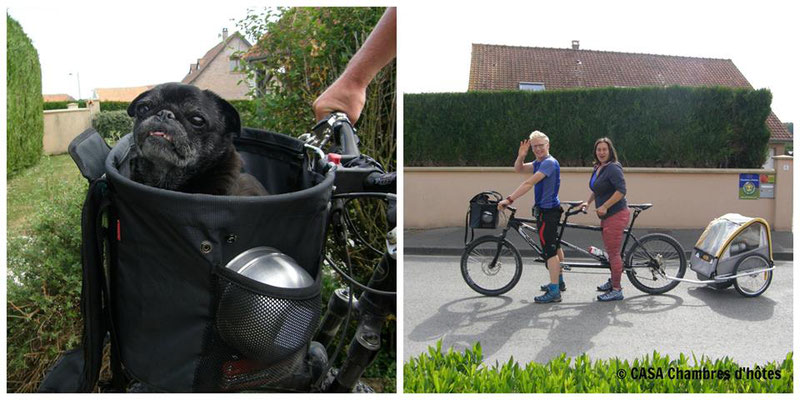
(371, 310)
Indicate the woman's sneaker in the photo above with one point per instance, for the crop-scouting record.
(605, 287)
(611, 295)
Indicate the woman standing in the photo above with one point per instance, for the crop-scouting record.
(608, 192)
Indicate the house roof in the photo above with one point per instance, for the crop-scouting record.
(195, 70)
(120, 94)
(498, 67)
(256, 52)
(57, 97)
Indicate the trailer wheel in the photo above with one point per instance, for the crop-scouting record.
(754, 284)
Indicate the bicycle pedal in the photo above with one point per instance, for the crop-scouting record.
(566, 267)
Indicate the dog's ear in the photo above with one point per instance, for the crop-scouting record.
(232, 121)
(132, 106)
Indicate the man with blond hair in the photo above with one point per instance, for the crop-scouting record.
(545, 180)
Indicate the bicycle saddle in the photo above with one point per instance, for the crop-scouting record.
(642, 207)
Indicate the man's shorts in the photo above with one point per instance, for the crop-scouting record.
(547, 221)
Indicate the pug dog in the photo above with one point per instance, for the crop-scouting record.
(183, 141)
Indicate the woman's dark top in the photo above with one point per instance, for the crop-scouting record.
(604, 183)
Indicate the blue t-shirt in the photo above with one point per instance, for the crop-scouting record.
(546, 191)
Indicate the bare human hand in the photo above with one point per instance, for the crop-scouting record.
(524, 146)
(503, 204)
(343, 95)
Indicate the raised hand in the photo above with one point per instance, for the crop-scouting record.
(524, 146)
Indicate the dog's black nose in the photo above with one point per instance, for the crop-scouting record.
(166, 114)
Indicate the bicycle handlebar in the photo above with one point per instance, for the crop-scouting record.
(345, 141)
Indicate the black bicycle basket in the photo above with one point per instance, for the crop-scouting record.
(171, 301)
(482, 212)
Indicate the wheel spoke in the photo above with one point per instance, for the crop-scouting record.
(652, 259)
(753, 284)
(485, 277)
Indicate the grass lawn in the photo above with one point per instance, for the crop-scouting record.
(38, 184)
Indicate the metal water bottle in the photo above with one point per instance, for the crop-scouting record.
(487, 217)
(598, 252)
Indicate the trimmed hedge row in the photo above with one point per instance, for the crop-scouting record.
(23, 99)
(456, 372)
(651, 127)
(62, 105)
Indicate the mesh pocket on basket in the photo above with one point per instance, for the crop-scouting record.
(260, 335)
(263, 327)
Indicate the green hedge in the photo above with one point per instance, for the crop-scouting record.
(23, 99)
(114, 105)
(62, 105)
(112, 125)
(651, 127)
(456, 372)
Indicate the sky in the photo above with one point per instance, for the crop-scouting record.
(121, 44)
(435, 40)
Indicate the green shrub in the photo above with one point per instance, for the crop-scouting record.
(24, 101)
(114, 105)
(305, 51)
(651, 127)
(112, 125)
(456, 372)
(44, 278)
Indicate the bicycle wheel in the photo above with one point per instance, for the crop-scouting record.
(653, 258)
(483, 276)
(752, 285)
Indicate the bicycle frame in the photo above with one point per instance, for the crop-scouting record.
(520, 225)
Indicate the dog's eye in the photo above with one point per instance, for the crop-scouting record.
(141, 109)
(197, 121)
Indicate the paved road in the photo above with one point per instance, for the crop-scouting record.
(690, 318)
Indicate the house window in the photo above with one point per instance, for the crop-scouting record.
(234, 65)
(532, 86)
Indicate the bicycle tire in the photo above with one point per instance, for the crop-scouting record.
(663, 247)
(475, 265)
(755, 262)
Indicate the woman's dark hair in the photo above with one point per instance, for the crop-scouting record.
(612, 152)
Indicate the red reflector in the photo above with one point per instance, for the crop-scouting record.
(119, 232)
(335, 158)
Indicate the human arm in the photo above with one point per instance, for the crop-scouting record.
(603, 209)
(348, 92)
(523, 188)
(519, 164)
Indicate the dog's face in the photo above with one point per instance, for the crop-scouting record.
(182, 126)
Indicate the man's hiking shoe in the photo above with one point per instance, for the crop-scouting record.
(552, 296)
(611, 295)
(561, 287)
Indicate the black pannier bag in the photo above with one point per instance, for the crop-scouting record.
(482, 212)
(167, 294)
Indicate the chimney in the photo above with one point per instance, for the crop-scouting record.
(576, 44)
(224, 34)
